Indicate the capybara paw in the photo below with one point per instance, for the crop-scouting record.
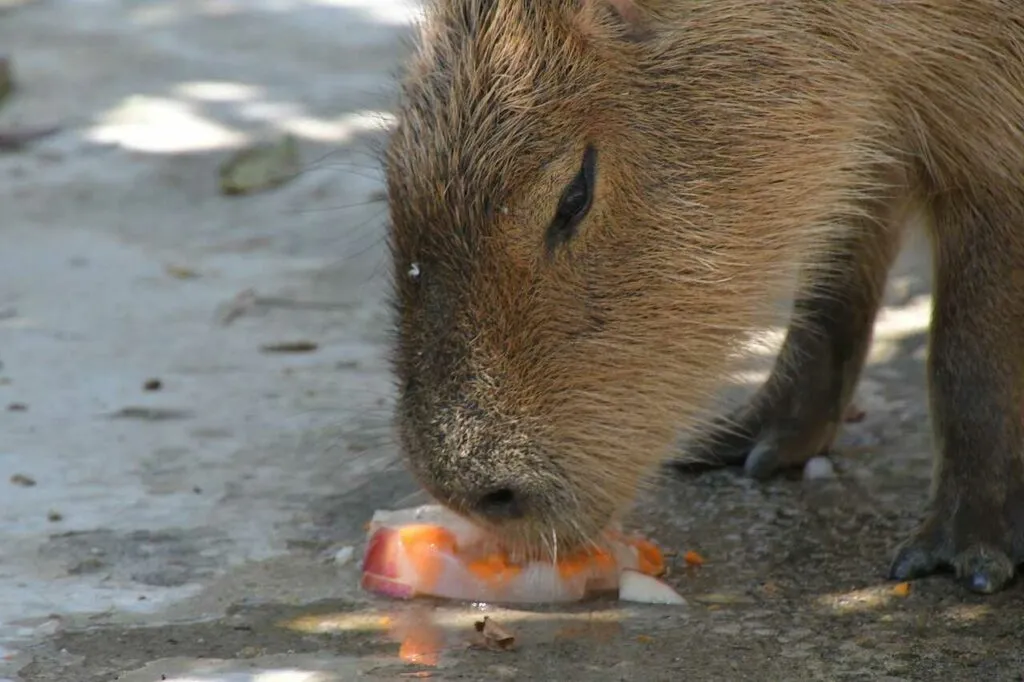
(768, 457)
(980, 567)
(915, 559)
(763, 438)
(983, 569)
(726, 445)
(761, 451)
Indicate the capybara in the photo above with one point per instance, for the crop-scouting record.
(595, 203)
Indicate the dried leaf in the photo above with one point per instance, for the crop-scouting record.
(492, 636)
(151, 414)
(181, 272)
(6, 78)
(261, 167)
(16, 139)
(23, 480)
(723, 598)
(290, 347)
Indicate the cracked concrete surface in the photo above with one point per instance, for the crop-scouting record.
(172, 496)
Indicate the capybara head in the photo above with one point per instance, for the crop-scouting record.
(588, 203)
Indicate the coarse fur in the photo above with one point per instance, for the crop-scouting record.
(741, 146)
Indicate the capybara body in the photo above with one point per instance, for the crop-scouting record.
(595, 203)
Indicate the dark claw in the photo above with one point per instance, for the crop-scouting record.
(912, 562)
(763, 460)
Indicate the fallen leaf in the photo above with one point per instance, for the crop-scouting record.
(151, 414)
(23, 480)
(492, 636)
(6, 78)
(15, 139)
(290, 347)
(723, 599)
(261, 167)
(180, 272)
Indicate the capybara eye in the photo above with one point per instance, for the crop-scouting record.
(575, 203)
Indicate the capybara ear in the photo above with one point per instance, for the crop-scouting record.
(626, 9)
(629, 13)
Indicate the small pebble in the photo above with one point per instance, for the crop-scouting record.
(818, 469)
(344, 555)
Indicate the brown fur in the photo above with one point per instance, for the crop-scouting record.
(741, 144)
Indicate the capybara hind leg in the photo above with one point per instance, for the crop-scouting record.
(796, 413)
(975, 520)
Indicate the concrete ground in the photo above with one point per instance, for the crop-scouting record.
(194, 400)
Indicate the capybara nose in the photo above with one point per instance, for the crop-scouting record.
(501, 504)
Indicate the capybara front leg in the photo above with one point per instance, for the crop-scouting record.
(796, 414)
(975, 520)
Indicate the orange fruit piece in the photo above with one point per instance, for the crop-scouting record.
(650, 559)
(424, 546)
(901, 589)
(494, 568)
(598, 560)
(693, 559)
(436, 537)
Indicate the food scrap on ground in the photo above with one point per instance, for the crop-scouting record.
(693, 559)
(901, 589)
(430, 551)
(641, 588)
